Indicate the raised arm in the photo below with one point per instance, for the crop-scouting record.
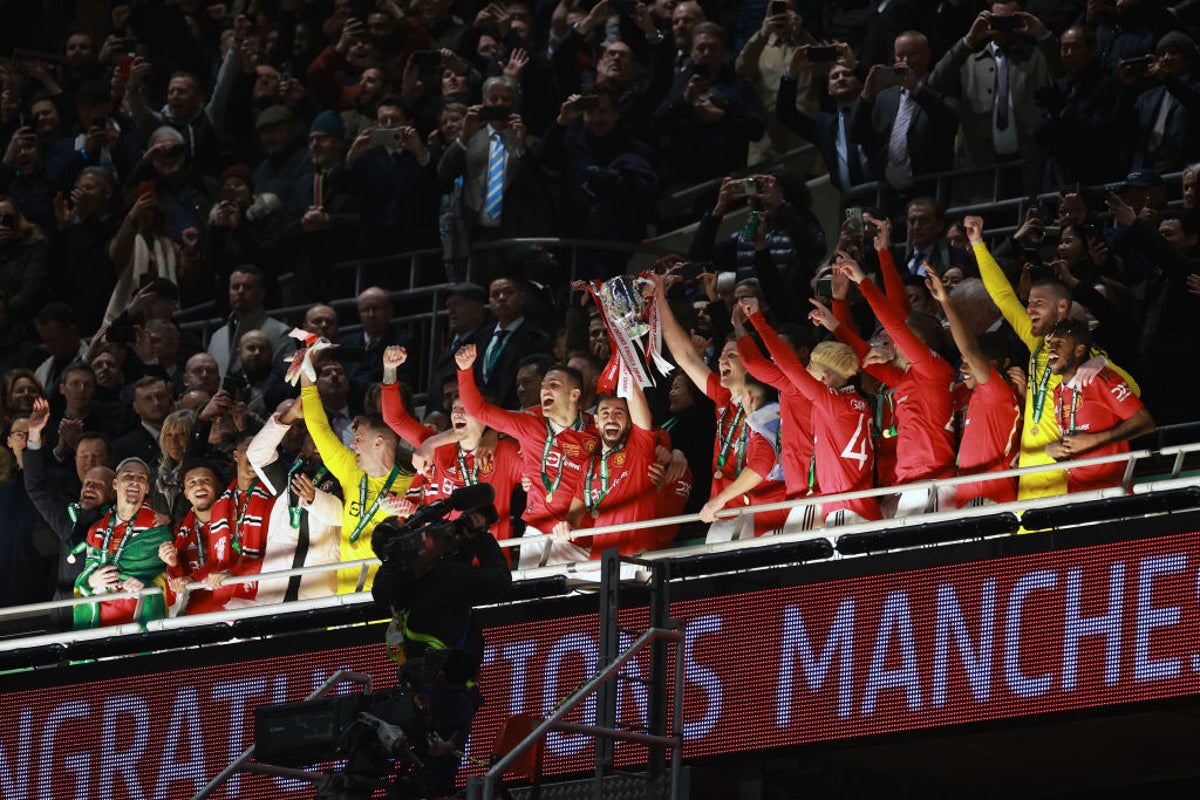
(893, 285)
(994, 279)
(337, 457)
(785, 359)
(394, 413)
(472, 400)
(964, 340)
(889, 314)
(678, 341)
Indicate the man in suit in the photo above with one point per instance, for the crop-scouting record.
(151, 403)
(512, 338)
(846, 160)
(247, 291)
(501, 196)
(467, 322)
(362, 352)
(1160, 123)
(994, 71)
(926, 222)
(906, 126)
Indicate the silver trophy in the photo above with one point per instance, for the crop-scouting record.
(625, 302)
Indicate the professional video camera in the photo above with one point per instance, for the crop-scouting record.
(427, 535)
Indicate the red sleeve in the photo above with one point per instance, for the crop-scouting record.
(760, 455)
(758, 365)
(715, 391)
(916, 351)
(847, 334)
(841, 312)
(1116, 394)
(507, 421)
(398, 419)
(785, 358)
(321, 78)
(893, 286)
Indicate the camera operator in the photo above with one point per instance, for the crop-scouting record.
(431, 578)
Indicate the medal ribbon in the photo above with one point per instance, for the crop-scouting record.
(1063, 418)
(552, 486)
(736, 428)
(594, 505)
(470, 477)
(1041, 385)
(242, 499)
(362, 501)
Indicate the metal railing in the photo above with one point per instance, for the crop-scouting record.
(484, 787)
(1171, 479)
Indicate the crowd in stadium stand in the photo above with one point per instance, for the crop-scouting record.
(167, 155)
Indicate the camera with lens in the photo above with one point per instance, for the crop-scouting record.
(417, 543)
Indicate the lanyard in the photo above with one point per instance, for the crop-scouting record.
(201, 545)
(242, 500)
(552, 485)
(470, 477)
(1041, 385)
(736, 428)
(294, 510)
(1063, 418)
(362, 501)
(884, 399)
(671, 423)
(594, 505)
(113, 520)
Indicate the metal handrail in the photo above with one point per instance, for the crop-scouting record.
(1177, 452)
(484, 788)
(240, 763)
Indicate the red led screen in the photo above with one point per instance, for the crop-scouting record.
(1005, 637)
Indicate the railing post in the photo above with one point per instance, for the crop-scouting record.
(610, 634)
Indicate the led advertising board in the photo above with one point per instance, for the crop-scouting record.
(989, 639)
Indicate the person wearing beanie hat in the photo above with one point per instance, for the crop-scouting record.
(324, 221)
(1157, 121)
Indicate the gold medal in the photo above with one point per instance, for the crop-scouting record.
(549, 498)
(718, 475)
(595, 513)
(1033, 431)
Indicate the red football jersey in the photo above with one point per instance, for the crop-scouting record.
(795, 409)
(201, 553)
(991, 430)
(558, 458)
(504, 474)
(630, 496)
(1105, 403)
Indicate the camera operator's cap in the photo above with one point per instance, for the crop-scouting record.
(329, 123)
(273, 115)
(471, 291)
(1143, 179)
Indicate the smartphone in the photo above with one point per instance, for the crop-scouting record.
(146, 189)
(854, 216)
(1031, 204)
(824, 290)
(746, 187)
(777, 7)
(822, 54)
(587, 102)
(494, 113)
(235, 386)
(1004, 22)
(890, 76)
(124, 67)
(388, 137)
(427, 58)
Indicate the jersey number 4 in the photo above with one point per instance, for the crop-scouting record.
(856, 448)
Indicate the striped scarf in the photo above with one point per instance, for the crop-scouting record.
(243, 517)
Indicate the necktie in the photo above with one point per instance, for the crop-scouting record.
(493, 353)
(494, 199)
(849, 161)
(1001, 91)
(899, 167)
(916, 264)
(1160, 121)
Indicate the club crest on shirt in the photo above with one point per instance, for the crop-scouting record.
(619, 459)
(590, 446)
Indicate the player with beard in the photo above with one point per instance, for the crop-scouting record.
(1098, 419)
(199, 554)
(461, 461)
(556, 444)
(742, 459)
(1049, 302)
(617, 488)
(843, 455)
(122, 554)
